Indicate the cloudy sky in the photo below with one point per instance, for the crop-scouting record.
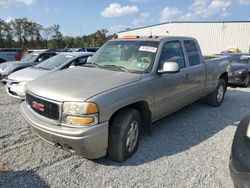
(79, 17)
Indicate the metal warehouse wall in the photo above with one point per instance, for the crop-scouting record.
(212, 37)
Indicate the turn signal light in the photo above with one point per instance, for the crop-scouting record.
(79, 120)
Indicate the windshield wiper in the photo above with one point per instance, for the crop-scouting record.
(92, 64)
(41, 68)
(115, 67)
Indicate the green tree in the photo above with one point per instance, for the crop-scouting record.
(57, 36)
(22, 32)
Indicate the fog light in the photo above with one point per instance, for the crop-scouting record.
(79, 120)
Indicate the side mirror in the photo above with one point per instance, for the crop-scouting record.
(71, 66)
(169, 67)
(40, 59)
(82, 62)
(75, 63)
(89, 59)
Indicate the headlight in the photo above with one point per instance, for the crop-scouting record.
(6, 69)
(239, 71)
(80, 113)
(80, 108)
(22, 83)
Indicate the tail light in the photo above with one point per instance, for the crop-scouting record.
(17, 57)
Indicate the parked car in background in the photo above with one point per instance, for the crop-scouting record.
(240, 155)
(240, 68)
(36, 50)
(29, 60)
(88, 49)
(16, 81)
(240, 74)
(10, 54)
(131, 82)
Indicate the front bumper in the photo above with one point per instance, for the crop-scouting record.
(3, 78)
(238, 79)
(90, 141)
(16, 90)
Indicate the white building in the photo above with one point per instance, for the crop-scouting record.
(213, 37)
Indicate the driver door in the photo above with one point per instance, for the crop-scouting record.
(171, 89)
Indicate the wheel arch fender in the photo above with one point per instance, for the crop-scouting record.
(145, 113)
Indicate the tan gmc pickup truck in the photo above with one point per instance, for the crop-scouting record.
(100, 109)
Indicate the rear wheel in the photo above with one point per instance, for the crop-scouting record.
(246, 81)
(216, 98)
(124, 134)
(2, 61)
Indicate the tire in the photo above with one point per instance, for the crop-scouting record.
(246, 81)
(120, 146)
(2, 61)
(216, 98)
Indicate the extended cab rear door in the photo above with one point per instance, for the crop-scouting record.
(196, 71)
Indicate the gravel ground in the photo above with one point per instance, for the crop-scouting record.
(189, 148)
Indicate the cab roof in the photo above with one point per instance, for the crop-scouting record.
(151, 38)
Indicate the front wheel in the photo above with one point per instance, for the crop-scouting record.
(124, 134)
(246, 81)
(216, 98)
(2, 61)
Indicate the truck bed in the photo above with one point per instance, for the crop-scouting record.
(214, 66)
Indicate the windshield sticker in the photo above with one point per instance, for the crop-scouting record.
(69, 56)
(35, 53)
(141, 66)
(148, 49)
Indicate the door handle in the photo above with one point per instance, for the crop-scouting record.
(187, 75)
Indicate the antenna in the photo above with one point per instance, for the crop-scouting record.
(150, 35)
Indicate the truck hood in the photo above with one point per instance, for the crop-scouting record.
(27, 74)
(79, 84)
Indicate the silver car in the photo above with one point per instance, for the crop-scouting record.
(32, 59)
(16, 81)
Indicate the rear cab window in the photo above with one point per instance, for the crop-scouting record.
(192, 52)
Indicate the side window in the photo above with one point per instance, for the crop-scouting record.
(172, 52)
(44, 57)
(192, 52)
(82, 60)
(78, 62)
(68, 65)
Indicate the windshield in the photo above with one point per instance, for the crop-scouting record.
(30, 57)
(54, 62)
(127, 56)
(245, 59)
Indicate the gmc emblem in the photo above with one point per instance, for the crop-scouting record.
(38, 106)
